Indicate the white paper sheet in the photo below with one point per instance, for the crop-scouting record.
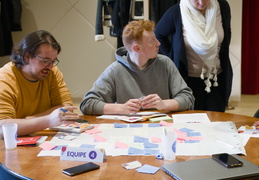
(211, 133)
(190, 118)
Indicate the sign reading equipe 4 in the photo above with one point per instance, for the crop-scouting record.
(82, 154)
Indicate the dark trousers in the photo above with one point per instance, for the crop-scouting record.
(212, 101)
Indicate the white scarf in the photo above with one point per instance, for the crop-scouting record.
(202, 36)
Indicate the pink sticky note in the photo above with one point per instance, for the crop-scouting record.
(119, 145)
(99, 138)
(93, 131)
(46, 145)
(179, 141)
(164, 123)
(156, 140)
(180, 134)
(194, 138)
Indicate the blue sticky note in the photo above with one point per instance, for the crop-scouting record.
(140, 139)
(135, 151)
(148, 169)
(151, 151)
(150, 145)
(135, 125)
(189, 134)
(185, 141)
(117, 125)
(87, 146)
(185, 130)
(154, 125)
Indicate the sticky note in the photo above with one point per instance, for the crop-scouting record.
(135, 151)
(140, 139)
(46, 145)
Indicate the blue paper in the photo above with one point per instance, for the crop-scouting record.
(87, 146)
(140, 139)
(150, 145)
(148, 169)
(154, 125)
(185, 141)
(135, 125)
(151, 151)
(117, 125)
(135, 151)
(185, 130)
(189, 134)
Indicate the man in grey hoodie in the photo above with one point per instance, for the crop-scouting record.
(140, 78)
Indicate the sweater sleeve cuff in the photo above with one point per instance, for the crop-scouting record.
(99, 37)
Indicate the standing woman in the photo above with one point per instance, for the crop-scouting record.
(196, 35)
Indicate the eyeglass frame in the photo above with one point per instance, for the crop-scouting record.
(53, 62)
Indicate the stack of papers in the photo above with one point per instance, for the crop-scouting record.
(140, 116)
(73, 128)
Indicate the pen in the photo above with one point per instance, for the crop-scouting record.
(164, 131)
(64, 110)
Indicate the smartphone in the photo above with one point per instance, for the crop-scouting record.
(81, 121)
(81, 169)
(227, 160)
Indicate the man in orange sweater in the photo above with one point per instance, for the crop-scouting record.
(32, 89)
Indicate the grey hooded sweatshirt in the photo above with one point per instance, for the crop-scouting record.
(122, 81)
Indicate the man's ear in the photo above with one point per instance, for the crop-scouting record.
(26, 57)
(136, 48)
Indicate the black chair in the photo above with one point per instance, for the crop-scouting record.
(8, 174)
(256, 115)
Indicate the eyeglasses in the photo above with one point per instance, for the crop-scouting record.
(47, 63)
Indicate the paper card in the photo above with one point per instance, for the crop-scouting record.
(82, 154)
(132, 165)
(148, 169)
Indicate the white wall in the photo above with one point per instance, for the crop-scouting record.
(235, 49)
(72, 22)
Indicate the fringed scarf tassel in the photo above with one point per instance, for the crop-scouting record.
(213, 76)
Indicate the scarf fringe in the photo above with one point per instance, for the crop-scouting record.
(210, 76)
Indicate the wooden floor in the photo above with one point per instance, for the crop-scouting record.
(248, 105)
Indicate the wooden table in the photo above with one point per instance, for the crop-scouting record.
(24, 160)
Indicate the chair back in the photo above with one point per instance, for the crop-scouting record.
(8, 174)
(256, 115)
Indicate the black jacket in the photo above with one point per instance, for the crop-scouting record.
(172, 43)
(10, 20)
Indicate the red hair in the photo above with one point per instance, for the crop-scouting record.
(133, 31)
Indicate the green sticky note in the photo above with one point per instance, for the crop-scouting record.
(163, 118)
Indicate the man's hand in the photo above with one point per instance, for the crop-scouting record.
(61, 115)
(131, 106)
(256, 124)
(152, 101)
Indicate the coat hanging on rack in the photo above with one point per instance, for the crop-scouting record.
(10, 20)
(116, 14)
